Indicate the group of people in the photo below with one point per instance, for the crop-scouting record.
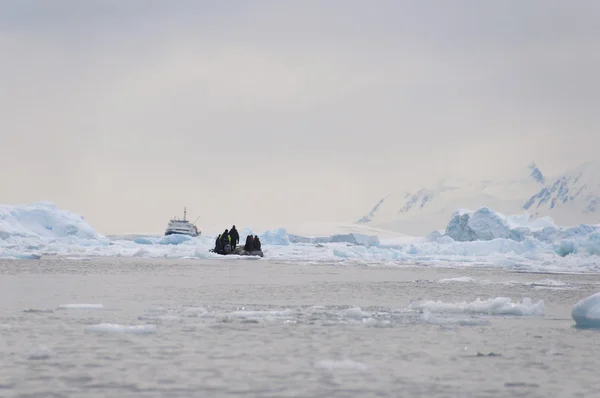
(231, 238)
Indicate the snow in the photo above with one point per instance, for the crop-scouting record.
(472, 238)
(569, 198)
(586, 312)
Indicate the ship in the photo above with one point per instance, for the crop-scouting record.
(182, 226)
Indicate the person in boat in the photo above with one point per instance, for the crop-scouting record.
(256, 244)
(249, 246)
(218, 246)
(235, 237)
(225, 239)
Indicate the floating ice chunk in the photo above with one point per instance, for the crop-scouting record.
(38, 310)
(40, 352)
(140, 240)
(116, 328)
(340, 364)
(275, 237)
(81, 307)
(586, 313)
(548, 283)
(175, 239)
(195, 311)
(140, 253)
(159, 318)
(495, 306)
(462, 279)
(355, 313)
(260, 314)
(427, 317)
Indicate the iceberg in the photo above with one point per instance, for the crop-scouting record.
(27, 230)
(485, 224)
(43, 220)
(586, 313)
(274, 237)
(478, 238)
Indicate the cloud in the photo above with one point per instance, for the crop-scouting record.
(126, 111)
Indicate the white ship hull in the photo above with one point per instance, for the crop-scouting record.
(181, 227)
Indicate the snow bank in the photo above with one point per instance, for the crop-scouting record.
(495, 306)
(586, 313)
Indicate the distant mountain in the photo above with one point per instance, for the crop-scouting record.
(571, 198)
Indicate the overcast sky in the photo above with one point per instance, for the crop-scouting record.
(275, 112)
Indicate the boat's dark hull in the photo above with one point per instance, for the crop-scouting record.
(167, 233)
(239, 251)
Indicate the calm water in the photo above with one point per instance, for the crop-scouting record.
(261, 329)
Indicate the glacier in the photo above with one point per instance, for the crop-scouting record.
(570, 197)
(472, 238)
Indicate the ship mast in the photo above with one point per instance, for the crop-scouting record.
(184, 213)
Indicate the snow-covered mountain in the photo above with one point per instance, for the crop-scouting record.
(571, 198)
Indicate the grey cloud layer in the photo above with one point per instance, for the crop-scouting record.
(126, 111)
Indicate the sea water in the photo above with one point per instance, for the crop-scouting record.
(127, 327)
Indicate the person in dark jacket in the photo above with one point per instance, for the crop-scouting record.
(218, 246)
(225, 238)
(256, 243)
(249, 246)
(235, 237)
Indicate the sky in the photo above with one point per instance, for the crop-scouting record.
(268, 113)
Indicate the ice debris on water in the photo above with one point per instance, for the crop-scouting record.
(340, 364)
(494, 306)
(40, 352)
(81, 307)
(491, 354)
(116, 328)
